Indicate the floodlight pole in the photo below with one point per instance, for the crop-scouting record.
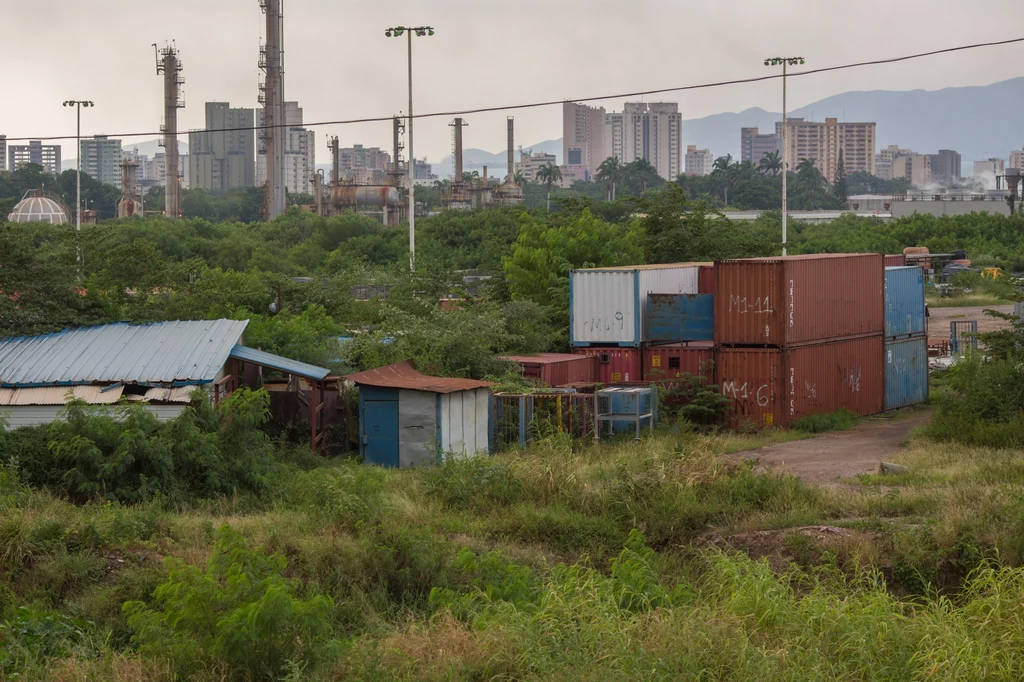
(78, 104)
(785, 61)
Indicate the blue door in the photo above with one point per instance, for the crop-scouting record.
(380, 432)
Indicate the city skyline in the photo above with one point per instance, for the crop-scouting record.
(221, 67)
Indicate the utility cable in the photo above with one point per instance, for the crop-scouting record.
(548, 103)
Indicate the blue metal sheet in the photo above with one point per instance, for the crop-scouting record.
(379, 426)
(674, 318)
(904, 302)
(279, 363)
(179, 353)
(906, 372)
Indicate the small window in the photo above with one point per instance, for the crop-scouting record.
(604, 358)
(673, 363)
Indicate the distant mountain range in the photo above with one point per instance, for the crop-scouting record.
(977, 121)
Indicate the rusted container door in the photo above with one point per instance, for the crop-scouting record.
(774, 387)
(749, 298)
(784, 302)
(674, 318)
(752, 378)
(613, 365)
(579, 369)
(706, 279)
(664, 363)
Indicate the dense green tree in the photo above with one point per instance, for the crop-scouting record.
(839, 185)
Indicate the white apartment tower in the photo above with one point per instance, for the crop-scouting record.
(583, 133)
(299, 152)
(699, 161)
(651, 131)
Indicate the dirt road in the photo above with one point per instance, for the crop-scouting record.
(835, 457)
(939, 319)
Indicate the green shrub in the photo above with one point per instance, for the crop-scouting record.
(823, 423)
(239, 615)
(34, 636)
(476, 483)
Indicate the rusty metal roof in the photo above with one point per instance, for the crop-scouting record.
(540, 358)
(176, 353)
(404, 375)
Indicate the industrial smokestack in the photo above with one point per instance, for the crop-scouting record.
(458, 149)
(127, 207)
(511, 141)
(335, 159)
(274, 131)
(168, 64)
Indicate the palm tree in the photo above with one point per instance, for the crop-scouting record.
(770, 164)
(469, 177)
(727, 171)
(549, 174)
(519, 179)
(609, 173)
(810, 179)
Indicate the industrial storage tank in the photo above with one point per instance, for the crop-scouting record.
(370, 196)
(799, 299)
(607, 306)
(36, 206)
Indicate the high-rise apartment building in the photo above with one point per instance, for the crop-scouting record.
(1016, 159)
(583, 136)
(364, 165)
(299, 153)
(45, 155)
(699, 161)
(3, 152)
(821, 143)
(223, 155)
(529, 164)
(946, 166)
(917, 168)
(653, 132)
(101, 159)
(754, 145)
(990, 166)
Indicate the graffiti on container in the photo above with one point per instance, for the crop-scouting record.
(791, 304)
(597, 324)
(743, 305)
(899, 365)
(855, 376)
(810, 391)
(746, 390)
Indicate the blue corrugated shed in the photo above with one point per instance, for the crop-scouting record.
(904, 301)
(279, 363)
(162, 353)
(906, 372)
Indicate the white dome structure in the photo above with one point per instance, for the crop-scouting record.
(37, 207)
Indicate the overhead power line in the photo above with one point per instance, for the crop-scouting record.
(548, 103)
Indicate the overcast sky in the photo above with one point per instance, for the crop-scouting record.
(339, 65)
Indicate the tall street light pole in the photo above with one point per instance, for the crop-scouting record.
(78, 104)
(396, 32)
(784, 61)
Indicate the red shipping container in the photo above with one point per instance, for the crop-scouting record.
(895, 260)
(794, 300)
(555, 369)
(706, 279)
(614, 365)
(775, 387)
(664, 363)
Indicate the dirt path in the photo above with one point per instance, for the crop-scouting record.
(939, 319)
(837, 456)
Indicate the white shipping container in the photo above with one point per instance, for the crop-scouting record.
(607, 306)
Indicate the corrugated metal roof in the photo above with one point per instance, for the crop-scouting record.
(58, 395)
(404, 375)
(653, 266)
(162, 353)
(175, 394)
(277, 362)
(540, 358)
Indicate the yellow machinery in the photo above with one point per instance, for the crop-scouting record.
(992, 273)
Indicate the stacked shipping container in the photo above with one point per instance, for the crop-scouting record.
(906, 342)
(800, 335)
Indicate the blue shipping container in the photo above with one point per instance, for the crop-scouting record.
(673, 318)
(906, 372)
(904, 302)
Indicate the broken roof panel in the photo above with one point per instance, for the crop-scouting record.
(405, 376)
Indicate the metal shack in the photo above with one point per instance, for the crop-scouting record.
(408, 419)
(159, 365)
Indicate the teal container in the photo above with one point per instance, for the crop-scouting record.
(904, 302)
(906, 372)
